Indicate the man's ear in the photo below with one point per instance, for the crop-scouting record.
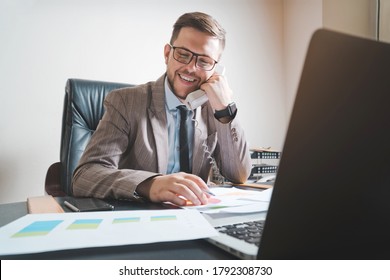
(167, 50)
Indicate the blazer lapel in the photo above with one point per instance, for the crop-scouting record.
(158, 120)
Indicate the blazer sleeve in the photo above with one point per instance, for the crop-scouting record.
(98, 174)
(232, 152)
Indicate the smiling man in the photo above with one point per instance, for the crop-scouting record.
(149, 145)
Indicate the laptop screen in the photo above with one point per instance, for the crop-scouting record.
(331, 197)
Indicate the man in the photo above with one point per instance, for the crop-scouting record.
(135, 150)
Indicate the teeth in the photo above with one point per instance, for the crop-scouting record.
(187, 79)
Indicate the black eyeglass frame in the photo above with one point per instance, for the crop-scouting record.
(196, 55)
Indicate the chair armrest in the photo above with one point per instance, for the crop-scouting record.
(53, 180)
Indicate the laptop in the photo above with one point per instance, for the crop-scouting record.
(331, 196)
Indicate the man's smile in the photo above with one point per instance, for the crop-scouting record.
(188, 79)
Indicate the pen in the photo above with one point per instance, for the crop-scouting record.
(208, 192)
(71, 206)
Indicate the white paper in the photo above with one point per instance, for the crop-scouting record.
(249, 208)
(262, 196)
(235, 200)
(49, 232)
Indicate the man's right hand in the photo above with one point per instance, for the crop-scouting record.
(177, 188)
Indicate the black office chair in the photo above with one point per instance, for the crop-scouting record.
(83, 109)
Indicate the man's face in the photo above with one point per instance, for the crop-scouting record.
(186, 78)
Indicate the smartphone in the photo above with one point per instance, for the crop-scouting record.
(199, 97)
(78, 204)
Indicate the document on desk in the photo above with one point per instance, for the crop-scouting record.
(36, 233)
(235, 200)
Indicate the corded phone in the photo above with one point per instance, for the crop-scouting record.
(193, 101)
(199, 97)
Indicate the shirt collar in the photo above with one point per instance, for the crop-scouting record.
(170, 98)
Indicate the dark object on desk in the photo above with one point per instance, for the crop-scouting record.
(264, 154)
(324, 206)
(259, 169)
(87, 204)
(83, 109)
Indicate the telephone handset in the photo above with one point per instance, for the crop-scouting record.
(199, 97)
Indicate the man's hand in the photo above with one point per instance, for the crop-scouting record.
(177, 188)
(218, 91)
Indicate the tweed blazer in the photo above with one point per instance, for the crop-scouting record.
(130, 144)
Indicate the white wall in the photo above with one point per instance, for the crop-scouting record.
(45, 42)
(300, 19)
(356, 17)
(384, 21)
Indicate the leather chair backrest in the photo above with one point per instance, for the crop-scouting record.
(83, 109)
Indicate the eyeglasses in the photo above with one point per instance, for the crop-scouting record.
(185, 56)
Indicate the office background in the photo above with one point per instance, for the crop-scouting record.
(45, 42)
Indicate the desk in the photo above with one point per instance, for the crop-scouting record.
(179, 250)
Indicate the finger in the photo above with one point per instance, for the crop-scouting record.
(197, 180)
(209, 193)
(193, 191)
(204, 188)
(175, 199)
(185, 192)
(169, 195)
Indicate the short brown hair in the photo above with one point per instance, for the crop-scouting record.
(202, 22)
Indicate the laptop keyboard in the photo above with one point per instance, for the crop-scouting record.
(249, 232)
